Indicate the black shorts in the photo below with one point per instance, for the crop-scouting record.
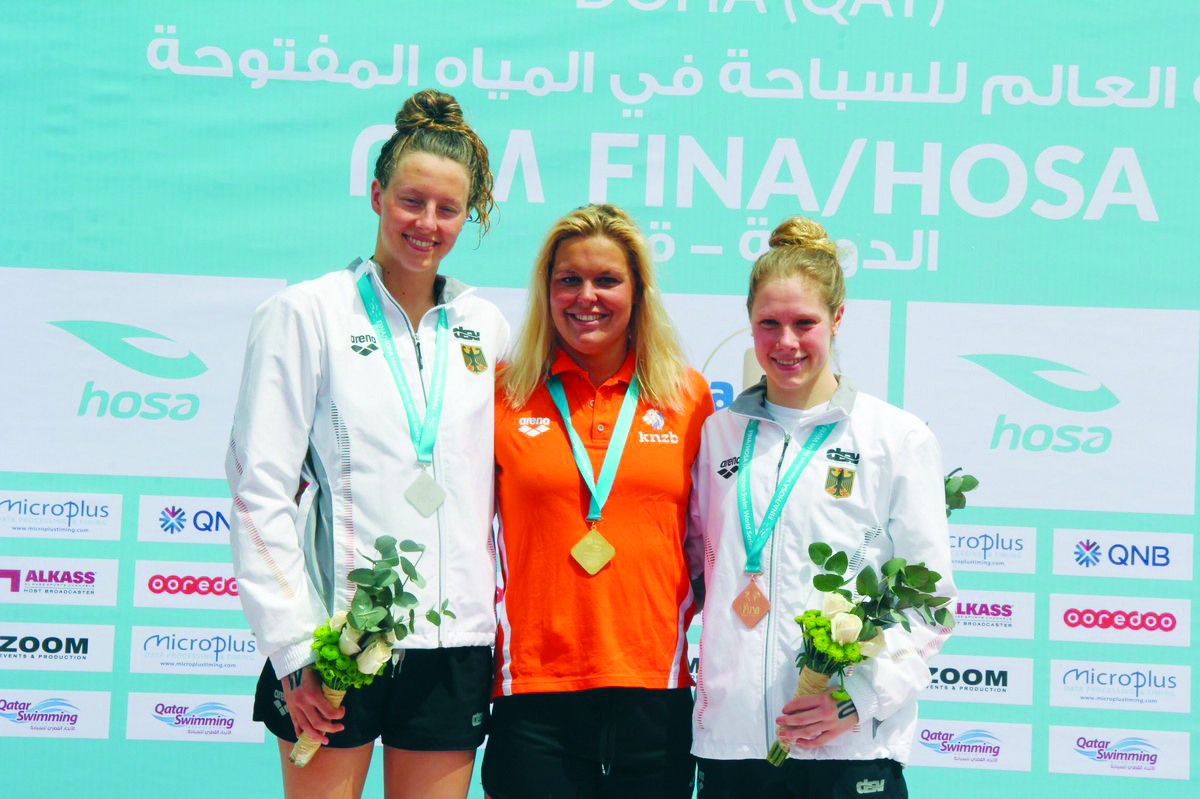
(435, 700)
(607, 742)
(800, 779)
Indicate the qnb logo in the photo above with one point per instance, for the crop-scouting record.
(1119, 620)
(1024, 373)
(1126, 750)
(114, 340)
(172, 584)
(172, 520)
(1087, 553)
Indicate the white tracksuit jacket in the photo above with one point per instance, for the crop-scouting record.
(318, 403)
(896, 508)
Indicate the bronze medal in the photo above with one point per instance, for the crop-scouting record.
(751, 605)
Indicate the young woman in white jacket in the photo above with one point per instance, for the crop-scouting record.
(359, 388)
(873, 487)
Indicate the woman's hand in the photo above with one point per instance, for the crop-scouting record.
(309, 709)
(813, 721)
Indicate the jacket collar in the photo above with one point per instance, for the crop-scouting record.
(753, 402)
(562, 364)
(446, 290)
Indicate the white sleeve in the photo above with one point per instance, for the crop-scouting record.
(882, 685)
(275, 409)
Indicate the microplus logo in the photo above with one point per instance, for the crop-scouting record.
(1024, 374)
(113, 340)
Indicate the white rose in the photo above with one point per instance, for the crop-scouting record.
(378, 652)
(835, 604)
(338, 620)
(844, 628)
(872, 646)
(348, 643)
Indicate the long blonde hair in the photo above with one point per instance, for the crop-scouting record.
(659, 363)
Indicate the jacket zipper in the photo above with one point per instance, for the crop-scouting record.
(768, 717)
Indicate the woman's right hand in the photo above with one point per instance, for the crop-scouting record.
(310, 711)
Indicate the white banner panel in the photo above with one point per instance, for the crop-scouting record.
(1121, 686)
(1053, 404)
(184, 520)
(1150, 754)
(197, 718)
(60, 514)
(1110, 553)
(137, 374)
(53, 714)
(56, 647)
(980, 678)
(972, 744)
(179, 584)
(194, 650)
(994, 614)
(1010, 550)
(57, 581)
(1120, 620)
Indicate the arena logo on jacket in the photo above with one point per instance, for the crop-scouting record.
(364, 345)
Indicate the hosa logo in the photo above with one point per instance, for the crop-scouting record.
(1024, 374)
(217, 586)
(1120, 620)
(113, 340)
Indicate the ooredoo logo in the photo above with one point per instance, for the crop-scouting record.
(174, 584)
(1120, 620)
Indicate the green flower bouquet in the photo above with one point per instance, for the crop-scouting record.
(848, 631)
(355, 645)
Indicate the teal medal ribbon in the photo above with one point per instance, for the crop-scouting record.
(756, 540)
(599, 489)
(424, 493)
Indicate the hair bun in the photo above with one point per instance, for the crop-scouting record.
(432, 110)
(802, 232)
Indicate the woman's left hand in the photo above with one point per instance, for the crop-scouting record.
(813, 721)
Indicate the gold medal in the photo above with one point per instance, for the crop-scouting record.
(592, 551)
(751, 605)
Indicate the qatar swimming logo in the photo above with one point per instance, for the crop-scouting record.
(207, 718)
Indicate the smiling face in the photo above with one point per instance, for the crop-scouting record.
(591, 302)
(421, 211)
(793, 334)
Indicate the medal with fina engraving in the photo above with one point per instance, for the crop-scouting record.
(751, 605)
(592, 551)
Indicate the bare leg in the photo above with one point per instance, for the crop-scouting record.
(426, 775)
(332, 773)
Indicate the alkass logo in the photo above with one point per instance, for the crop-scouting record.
(1120, 620)
(172, 584)
(114, 340)
(1024, 373)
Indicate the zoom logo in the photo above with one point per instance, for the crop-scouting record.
(217, 586)
(114, 340)
(1024, 373)
(1119, 620)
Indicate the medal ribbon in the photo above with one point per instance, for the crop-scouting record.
(755, 542)
(424, 435)
(599, 489)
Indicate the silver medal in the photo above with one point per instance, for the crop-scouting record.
(425, 494)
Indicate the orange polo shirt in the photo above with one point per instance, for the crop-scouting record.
(561, 629)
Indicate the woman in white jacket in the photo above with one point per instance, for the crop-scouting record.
(366, 409)
(872, 487)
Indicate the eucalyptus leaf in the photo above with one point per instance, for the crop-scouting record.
(360, 603)
(362, 577)
(372, 618)
(411, 546)
(938, 601)
(944, 617)
(893, 566)
(969, 483)
(401, 632)
(434, 618)
(956, 502)
(383, 598)
(385, 578)
(827, 582)
(953, 485)
(838, 563)
(405, 600)
(410, 571)
(819, 552)
(385, 543)
(449, 614)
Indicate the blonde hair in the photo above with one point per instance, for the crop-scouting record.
(432, 122)
(800, 247)
(659, 363)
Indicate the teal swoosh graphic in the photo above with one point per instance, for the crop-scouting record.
(112, 339)
(1021, 372)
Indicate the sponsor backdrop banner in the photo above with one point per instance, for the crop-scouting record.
(1012, 187)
